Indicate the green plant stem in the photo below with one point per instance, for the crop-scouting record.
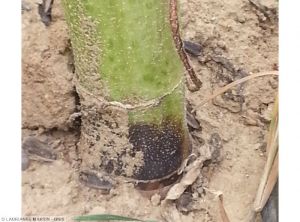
(124, 51)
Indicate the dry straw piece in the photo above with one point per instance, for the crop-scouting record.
(231, 85)
(270, 174)
(222, 210)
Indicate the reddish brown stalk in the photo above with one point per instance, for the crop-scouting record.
(179, 45)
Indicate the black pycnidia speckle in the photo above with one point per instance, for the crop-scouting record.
(161, 148)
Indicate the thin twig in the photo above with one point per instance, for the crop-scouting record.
(179, 44)
(230, 85)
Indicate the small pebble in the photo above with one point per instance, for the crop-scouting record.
(195, 195)
(222, 44)
(155, 199)
(241, 19)
(200, 190)
(205, 169)
(256, 146)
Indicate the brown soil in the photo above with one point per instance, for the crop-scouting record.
(236, 39)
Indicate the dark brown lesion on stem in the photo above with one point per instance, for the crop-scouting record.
(179, 44)
(163, 149)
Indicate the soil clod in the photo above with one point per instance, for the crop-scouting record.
(268, 13)
(192, 48)
(38, 150)
(44, 10)
(93, 180)
(224, 62)
(215, 146)
(185, 203)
